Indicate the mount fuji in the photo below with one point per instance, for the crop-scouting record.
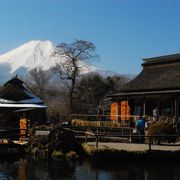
(31, 55)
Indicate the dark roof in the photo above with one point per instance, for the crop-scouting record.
(145, 93)
(15, 82)
(159, 73)
(160, 60)
(14, 90)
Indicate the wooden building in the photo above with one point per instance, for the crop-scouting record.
(17, 102)
(155, 92)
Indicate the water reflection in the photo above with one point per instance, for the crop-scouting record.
(124, 171)
(23, 169)
(49, 170)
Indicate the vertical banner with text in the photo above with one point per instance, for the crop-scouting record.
(114, 111)
(125, 110)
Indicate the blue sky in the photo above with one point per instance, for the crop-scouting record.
(123, 31)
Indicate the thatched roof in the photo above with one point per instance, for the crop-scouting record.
(15, 94)
(159, 73)
(14, 90)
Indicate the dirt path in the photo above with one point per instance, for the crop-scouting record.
(136, 147)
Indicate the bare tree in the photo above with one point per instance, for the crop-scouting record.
(74, 56)
(39, 81)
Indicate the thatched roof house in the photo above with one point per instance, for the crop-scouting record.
(157, 87)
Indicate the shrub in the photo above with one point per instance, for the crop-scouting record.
(58, 155)
(58, 139)
(35, 152)
(71, 155)
(162, 128)
(88, 149)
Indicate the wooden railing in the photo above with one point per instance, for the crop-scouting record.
(120, 117)
(101, 116)
(130, 136)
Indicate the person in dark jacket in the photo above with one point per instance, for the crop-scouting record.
(141, 127)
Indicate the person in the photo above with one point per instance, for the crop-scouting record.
(141, 127)
(155, 114)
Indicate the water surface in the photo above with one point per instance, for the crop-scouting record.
(23, 169)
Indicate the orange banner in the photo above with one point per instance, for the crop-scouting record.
(23, 126)
(125, 110)
(114, 111)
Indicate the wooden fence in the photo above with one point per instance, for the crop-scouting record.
(130, 136)
(101, 116)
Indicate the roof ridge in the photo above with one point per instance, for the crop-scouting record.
(169, 56)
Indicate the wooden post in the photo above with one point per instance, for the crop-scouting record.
(158, 109)
(130, 138)
(97, 141)
(86, 140)
(144, 108)
(175, 110)
(150, 143)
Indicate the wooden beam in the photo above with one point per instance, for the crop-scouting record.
(175, 109)
(144, 108)
(158, 108)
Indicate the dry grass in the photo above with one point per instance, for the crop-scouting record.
(88, 149)
(72, 155)
(78, 122)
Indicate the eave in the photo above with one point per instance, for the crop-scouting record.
(35, 106)
(145, 93)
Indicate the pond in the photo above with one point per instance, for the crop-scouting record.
(23, 169)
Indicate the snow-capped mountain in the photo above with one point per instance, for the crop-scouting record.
(30, 55)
